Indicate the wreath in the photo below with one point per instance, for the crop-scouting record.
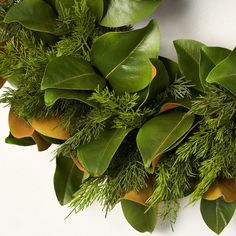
(132, 127)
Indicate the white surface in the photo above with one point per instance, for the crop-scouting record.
(28, 206)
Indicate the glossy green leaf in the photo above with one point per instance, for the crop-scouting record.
(137, 216)
(210, 57)
(224, 73)
(97, 154)
(35, 15)
(28, 141)
(67, 179)
(158, 84)
(68, 72)
(161, 80)
(125, 57)
(217, 214)
(97, 7)
(158, 134)
(172, 68)
(124, 12)
(188, 52)
(52, 95)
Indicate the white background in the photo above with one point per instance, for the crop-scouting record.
(28, 206)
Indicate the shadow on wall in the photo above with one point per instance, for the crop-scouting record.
(171, 16)
(172, 9)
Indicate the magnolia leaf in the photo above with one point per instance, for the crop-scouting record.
(172, 69)
(188, 52)
(210, 57)
(124, 12)
(159, 82)
(50, 127)
(168, 106)
(217, 214)
(52, 140)
(186, 103)
(52, 95)
(68, 72)
(224, 74)
(225, 188)
(125, 57)
(158, 134)
(97, 7)
(2, 82)
(19, 127)
(138, 216)
(78, 164)
(154, 163)
(97, 154)
(35, 15)
(24, 134)
(140, 197)
(42, 144)
(27, 141)
(67, 179)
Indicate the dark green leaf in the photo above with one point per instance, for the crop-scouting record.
(28, 141)
(217, 214)
(172, 68)
(161, 80)
(125, 57)
(210, 57)
(224, 73)
(67, 72)
(137, 216)
(158, 84)
(47, 38)
(35, 15)
(158, 134)
(97, 7)
(97, 154)
(188, 52)
(67, 179)
(52, 95)
(51, 2)
(124, 12)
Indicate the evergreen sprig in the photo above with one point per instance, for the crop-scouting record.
(126, 172)
(112, 111)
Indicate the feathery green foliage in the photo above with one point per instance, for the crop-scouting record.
(207, 153)
(23, 62)
(80, 23)
(126, 172)
(112, 112)
(180, 88)
(7, 31)
(167, 211)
